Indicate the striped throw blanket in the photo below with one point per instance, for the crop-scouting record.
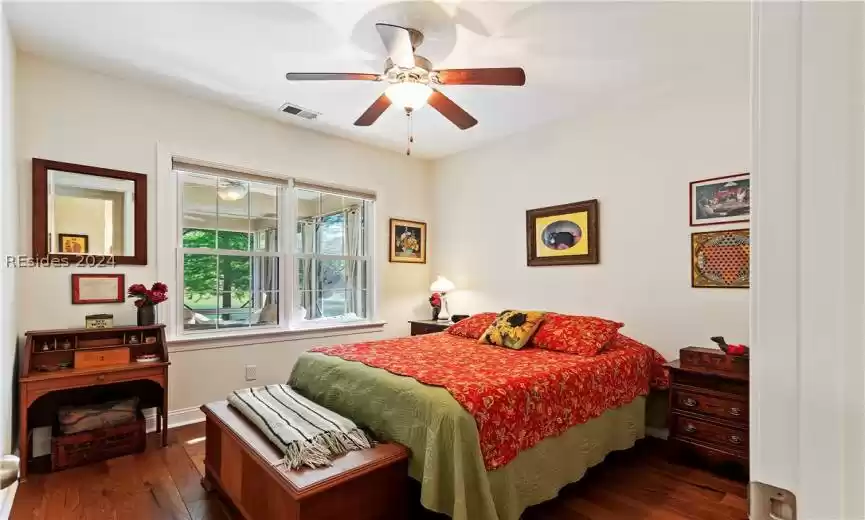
(308, 434)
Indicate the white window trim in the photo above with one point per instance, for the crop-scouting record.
(168, 221)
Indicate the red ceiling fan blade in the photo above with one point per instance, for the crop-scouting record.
(451, 110)
(374, 111)
(327, 76)
(397, 41)
(514, 76)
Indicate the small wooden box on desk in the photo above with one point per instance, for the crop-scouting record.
(74, 366)
(709, 407)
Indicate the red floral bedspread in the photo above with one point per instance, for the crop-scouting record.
(517, 397)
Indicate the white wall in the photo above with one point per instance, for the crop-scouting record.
(637, 160)
(8, 233)
(73, 115)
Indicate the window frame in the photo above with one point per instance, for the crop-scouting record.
(286, 253)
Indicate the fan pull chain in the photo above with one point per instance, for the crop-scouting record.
(409, 116)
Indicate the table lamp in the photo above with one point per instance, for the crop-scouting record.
(442, 285)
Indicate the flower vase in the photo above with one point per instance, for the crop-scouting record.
(146, 315)
(435, 313)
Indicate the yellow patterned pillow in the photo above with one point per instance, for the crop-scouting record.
(512, 329)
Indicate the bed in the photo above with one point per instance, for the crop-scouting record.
(481, 465)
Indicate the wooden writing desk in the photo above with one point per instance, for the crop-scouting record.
(42, 386)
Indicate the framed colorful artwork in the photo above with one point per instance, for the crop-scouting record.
(563, 235)
(721, 259)
(98, 288)
(73, 244)
(721, 200)
(407, 241)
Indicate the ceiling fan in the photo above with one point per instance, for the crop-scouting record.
(413, 80)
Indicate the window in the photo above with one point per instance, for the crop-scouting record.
(236, 274)
(332, 265)
(229, 252)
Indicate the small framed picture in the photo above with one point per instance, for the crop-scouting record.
(74, 244)
(98, 288)
(721, 259)
(563, 235)
(721, 200)
(407, 241)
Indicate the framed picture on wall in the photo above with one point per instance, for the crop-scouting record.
(98, 288)
(407, 241)
(721, 259)
(563, 235)
(74, 244)
(721, 200)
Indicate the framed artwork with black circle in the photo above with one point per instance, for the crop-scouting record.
(566, 234)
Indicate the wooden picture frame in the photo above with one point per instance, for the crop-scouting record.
(69, 239)
(40, 236)
(403, 235)
(552, 232)
(98, 288)
(723, 267)
(736, 188)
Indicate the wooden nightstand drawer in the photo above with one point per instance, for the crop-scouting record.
(428, 327)
(711, 381)
(721, 407)
(722, 436)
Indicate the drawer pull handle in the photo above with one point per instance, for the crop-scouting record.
(689, 402)
(100, 377)
(736, 412)
(735, 439)
(690, 428)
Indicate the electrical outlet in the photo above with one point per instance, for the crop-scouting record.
(251, 372)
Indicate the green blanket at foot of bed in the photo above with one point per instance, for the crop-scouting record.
(443, 438)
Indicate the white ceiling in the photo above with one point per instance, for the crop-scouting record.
(577, 56)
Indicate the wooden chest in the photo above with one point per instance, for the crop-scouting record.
(709, 407)
(246, 470)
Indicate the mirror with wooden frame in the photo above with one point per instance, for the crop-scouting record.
(89, 215)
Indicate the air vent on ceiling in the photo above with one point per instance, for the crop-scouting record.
(295, 110)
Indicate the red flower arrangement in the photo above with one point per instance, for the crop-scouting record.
(435, 300)
(158, 293)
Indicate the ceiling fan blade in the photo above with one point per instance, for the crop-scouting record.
(397, 41)
(502, 76)
(374, 111)
(327, 76)
(451, 110)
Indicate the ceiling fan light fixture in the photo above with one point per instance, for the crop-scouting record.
(229, 190)
(410, 95)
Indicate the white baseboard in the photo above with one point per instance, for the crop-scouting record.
(658, 433)
(180, 417)
(7, 496)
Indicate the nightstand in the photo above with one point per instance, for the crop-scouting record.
(419, 327)
(708, 416)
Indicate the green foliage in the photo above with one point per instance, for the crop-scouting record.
(207, 274)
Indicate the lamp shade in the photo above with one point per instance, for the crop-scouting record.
(441, 285)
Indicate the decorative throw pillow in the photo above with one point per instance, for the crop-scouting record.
(472, 327)
(581, 335)
(513, 329)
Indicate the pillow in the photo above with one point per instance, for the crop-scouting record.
(474, 326)
(581, 335)
(512, 329)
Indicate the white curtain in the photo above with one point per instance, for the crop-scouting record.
(353, 218)
(307, 296)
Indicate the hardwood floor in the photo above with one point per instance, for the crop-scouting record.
(164, 484)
